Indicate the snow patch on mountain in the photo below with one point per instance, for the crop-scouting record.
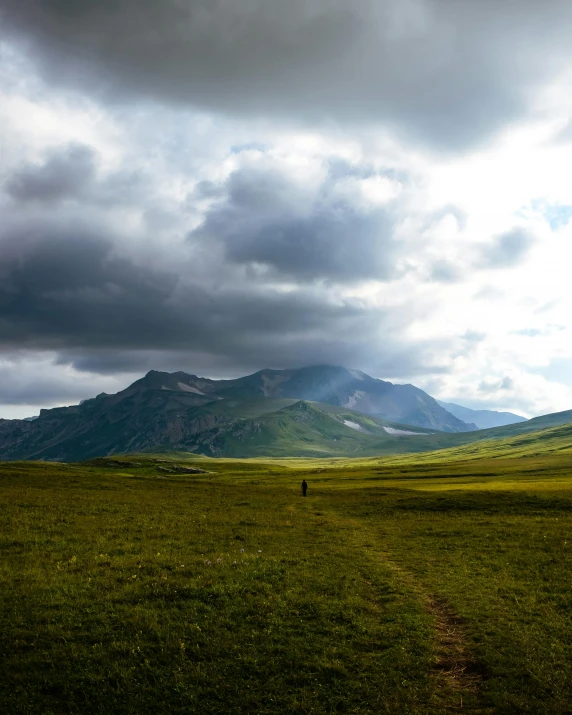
(399, 432)
(188, 388)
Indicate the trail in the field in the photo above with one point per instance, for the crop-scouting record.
(459, 674)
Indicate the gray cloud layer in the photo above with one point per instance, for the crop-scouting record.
(71, 172)
(65, 173)
(68, 285)
(508, 249)
(67, 288)
(301, 233)
(260, 282)
(447, 72)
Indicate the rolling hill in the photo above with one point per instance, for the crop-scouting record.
(539, 443)
(302, 429)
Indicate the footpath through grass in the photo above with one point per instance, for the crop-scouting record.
(427, 588)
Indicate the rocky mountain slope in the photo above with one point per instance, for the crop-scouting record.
(178, 410)
(237, 428)
(345, 388)
(252, 416)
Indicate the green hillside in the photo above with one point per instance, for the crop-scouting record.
(553, 440)
(448, 441)
(299, 429)
(319, 431)
(533, 425)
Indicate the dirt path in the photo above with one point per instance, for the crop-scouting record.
(460, 675)
(456, 667)
(455, 664)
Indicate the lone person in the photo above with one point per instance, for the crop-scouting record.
(304, 487)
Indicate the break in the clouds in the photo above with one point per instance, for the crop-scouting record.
(224, 186)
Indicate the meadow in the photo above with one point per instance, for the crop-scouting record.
(412, 584)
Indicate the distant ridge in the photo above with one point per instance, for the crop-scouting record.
(483, 419)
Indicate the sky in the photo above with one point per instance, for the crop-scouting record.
(220, 186)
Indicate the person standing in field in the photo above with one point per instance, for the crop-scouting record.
(304, 487)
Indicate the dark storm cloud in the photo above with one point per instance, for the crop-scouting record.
(85, 279)
(507, 250)
(108, 362)
(299, 232)
(60, 282)
(73, 171)
(67, 172)
(345, 340)
(345, 246)
(65, 289)
(447, 72)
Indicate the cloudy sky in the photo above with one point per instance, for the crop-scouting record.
(219, 186)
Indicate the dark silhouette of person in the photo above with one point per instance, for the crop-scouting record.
(304, 487)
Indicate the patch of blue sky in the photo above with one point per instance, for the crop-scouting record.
(534, 332)
(530, 332)
(557, 215)
(558, 370)
(248, 146)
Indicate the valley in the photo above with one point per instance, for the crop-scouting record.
(427, 583)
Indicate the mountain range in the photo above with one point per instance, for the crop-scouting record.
(483, 419)
(310, 411)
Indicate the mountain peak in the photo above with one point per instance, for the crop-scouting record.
(164, 409)
(332, 384)
(300, 406)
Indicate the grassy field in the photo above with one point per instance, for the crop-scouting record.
(429, 584)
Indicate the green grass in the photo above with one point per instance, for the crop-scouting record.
(129, 590)
(115, 601)
(284, 428)
(281, 429)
